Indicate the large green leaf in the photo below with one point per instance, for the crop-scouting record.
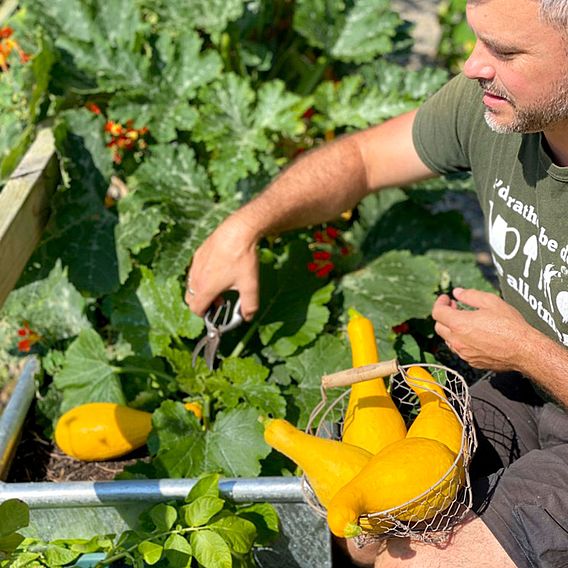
(87, 374)
(234, 445)
(211, 16)
(52, 306)
(351, 104)
(81, 229)
(328, 355)
(293, 302)
(100, 38)
(460, 269)
(236, 124)
(408, 226)
(210, 550)
(395, 287)
(349, 31)
(244, 380)
(151, 314)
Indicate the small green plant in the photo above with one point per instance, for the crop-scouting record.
(204, 530)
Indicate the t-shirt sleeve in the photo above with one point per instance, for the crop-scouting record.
(443, 127)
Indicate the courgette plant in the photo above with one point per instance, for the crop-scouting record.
(167, 116)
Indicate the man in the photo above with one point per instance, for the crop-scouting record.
(506, 120)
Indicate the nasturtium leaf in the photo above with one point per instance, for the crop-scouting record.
(327, 355)
(395, 287)
(150, 551)
(163, 516)
(206, 486)
(52, 306)
(237, 532)
(14, 515)
(178, 551)
(210, 550)
(201, 510)
(87, 375)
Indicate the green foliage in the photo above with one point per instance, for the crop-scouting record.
(205, 528)
(168, 116)
(457, 39)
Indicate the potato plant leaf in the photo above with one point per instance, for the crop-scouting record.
(210, 550)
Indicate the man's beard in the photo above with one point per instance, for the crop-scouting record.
(533, 118)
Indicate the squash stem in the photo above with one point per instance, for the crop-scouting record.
(245, 339)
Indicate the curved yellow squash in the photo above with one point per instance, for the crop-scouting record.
(328, 464)
(401, 472)
(372, 420)
(98, 431)
(436, 419)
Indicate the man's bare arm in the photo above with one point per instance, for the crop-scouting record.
(316, 188)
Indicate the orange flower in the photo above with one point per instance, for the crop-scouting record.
(7, 45)
(124, 138)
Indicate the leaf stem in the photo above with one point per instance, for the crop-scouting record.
(143, 371)
(245, 339)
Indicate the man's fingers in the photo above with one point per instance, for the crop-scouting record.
(249, 301)
(443, 331)
(474, 298)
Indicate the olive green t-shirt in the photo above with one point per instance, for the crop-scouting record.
(523, 195)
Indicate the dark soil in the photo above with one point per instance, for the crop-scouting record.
(38, 459)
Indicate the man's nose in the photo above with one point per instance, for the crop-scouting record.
(478, 65)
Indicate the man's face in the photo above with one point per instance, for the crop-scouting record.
(521, 64)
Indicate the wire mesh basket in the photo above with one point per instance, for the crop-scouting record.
(431, 515)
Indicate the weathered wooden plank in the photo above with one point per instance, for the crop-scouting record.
(24, 208)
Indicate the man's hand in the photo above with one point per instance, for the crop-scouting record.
(488, 337)
(227, 260)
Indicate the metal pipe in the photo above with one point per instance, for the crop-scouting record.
(12, 419)
(108, 493)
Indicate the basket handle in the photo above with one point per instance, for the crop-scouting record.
(360, 374)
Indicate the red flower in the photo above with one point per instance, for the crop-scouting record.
(401, 328)
(94, 108)
(6, 32)
(29, 336)
(332, 232)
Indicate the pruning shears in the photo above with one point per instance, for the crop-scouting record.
(218, 320)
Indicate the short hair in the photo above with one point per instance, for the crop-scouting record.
(555, 12)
